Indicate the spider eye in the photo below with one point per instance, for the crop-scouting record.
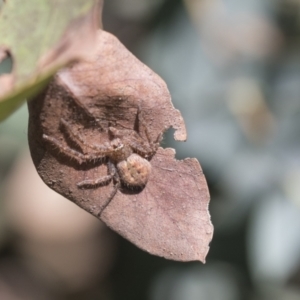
(134, 171)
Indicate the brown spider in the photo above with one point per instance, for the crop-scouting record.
(127, 155)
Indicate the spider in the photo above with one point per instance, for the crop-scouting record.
(127, 155)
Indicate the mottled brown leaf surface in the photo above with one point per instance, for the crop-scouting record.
(169, 216)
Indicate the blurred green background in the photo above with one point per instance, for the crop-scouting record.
(233, 69)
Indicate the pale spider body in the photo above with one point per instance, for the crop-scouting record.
(127, 154)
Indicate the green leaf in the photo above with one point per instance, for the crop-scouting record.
(42, 36)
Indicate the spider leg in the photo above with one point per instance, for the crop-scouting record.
(71, 153)
(153, 145)
(91, 183)
(146, 150)
(157, 141)
(104, 149)
(75, 138)
(86, 110)
(85, 184)
(143, 150)
(112, 170)
(99, 181)
(151, 148)
(141, 122)
(111, 196)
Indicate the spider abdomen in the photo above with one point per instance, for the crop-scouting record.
(134, 171)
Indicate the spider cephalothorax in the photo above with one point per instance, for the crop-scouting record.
(127, 154)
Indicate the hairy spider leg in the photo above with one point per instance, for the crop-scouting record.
(143, 150)
(152, 146)
(80, 158)
(117, 185)
(86, 110)
(67, 130)
(146, 151)
(90, 183)
(112, 174)
(137, 141)
(79, 140)
(73, 154)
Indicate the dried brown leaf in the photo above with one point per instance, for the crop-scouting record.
(169, 216)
